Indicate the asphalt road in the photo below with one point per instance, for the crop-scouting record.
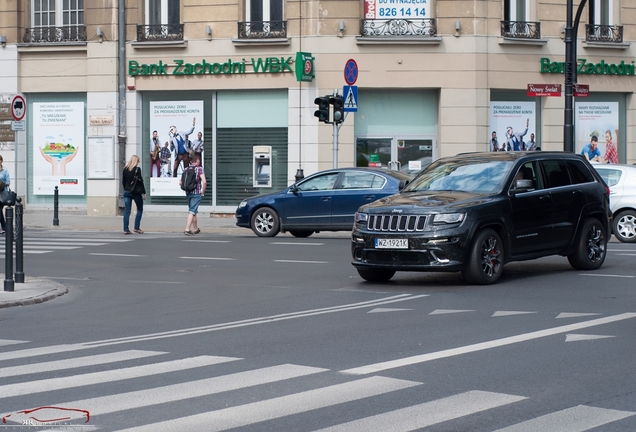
(219, 332)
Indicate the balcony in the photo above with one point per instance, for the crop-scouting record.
(43, 35)
(262, 30)
(160, 33)
(424, 28)
(521, 30)
(603, 33)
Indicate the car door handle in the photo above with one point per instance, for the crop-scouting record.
(544, 197)
(326, 198)
(369, 197)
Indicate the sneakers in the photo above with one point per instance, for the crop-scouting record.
(197, 231)
(188, 233)
(127, 233)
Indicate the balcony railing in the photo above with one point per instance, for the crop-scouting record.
(521, 29)
(424, 27)
(603, 33)
(262, 30)
(76, 33)
(159, 32)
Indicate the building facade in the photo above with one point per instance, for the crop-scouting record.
(433, 78)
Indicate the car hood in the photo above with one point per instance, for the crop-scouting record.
(414, 202)
(266, 196)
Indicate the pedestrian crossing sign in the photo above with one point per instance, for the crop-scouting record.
(350, 98)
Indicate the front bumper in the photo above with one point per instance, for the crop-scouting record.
(439, 251)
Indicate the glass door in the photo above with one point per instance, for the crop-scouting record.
(409, 155)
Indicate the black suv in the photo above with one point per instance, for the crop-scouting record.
(475, 212)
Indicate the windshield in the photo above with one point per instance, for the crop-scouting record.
(485, 176)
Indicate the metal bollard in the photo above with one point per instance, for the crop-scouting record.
(19, 254)
(56, 202)
(8, 251)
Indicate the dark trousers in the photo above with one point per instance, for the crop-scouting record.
(2, 221)
(181, 157)
(129, 197)
(157, 163)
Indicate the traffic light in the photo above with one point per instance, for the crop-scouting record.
(323, 109)
(338, 108)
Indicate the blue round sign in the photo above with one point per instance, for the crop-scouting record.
(351, 72)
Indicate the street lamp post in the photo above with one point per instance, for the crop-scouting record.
(571, 31)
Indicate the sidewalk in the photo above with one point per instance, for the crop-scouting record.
(34, 291)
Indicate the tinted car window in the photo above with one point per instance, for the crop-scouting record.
(464, 176)
(321, 182)
(610, 176)
(360, 180)
(529, 171)
(556, 173)
(579, 172)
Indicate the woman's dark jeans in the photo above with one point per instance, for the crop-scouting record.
(129, 197)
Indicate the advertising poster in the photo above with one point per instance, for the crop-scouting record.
(58, 148)
(179, 134)
(513, 126)
(597, 122)
(391, 9)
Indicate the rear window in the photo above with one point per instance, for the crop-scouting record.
(610, 176)
(556, 173)
(579, 172)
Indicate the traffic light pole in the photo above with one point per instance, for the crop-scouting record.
(335, 145)
(571, 31)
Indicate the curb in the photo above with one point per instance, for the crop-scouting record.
(57, 291)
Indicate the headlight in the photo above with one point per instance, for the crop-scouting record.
(242, 204)
(448, 218)
(361, 217)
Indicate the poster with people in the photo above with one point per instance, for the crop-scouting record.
(58, 148)
(512, 126)
(596, 131)
(176, 134)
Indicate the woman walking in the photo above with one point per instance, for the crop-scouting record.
(5, 181)
(134, 190)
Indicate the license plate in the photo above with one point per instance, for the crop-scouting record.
(391, 243)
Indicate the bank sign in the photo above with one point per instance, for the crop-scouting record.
(266, 65)
(584, 67)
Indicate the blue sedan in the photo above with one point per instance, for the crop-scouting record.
(324, 201)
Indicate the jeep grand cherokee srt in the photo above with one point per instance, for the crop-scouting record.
(476, 212)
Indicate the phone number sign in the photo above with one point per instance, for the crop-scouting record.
(391, 9)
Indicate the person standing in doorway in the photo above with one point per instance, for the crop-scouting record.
(5, 181)
(194, 197)
(134, 190)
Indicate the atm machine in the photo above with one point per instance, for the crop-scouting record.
(262, 166)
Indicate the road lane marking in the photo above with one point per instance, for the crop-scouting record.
(627, 254)
(429, 413)
(75, 239)
(207, 241)
(584, 337)
(449, 311)
(51, 243)
(5, 342)
(302, 262)
(605, 275)
(45, 385)
(297, 244)
(117, 255)
(496, 343)
(510, 313)
(574, 314)
(576, 419)
(207, 258)
(244, 415)
(192, 389)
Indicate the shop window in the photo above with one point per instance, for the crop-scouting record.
(600, 27)
(56, 21)
(516, 22)
(162, 21)
(263, 19)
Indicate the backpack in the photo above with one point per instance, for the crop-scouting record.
(189, 179)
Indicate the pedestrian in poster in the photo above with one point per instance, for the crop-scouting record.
(591, 151)
(155, 148)
(178, 143)
(197, 146)
(134, 190)
(514, 140)
(194, 197)
(5, 181)
(164, 157)
(532, 144)
(493, 143)
(611, 152)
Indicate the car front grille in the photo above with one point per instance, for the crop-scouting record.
(396, 223)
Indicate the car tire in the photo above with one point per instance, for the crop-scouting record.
(486, 259)
(590, 246)
(301, 234)
(265, 222)
(624, 226)
(375, 275)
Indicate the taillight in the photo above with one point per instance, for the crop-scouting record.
(607, 190)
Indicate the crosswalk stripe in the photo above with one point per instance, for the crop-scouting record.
(51, 246)
(192, 389)
(30, 252)
(244, 415)
(74, 243)
(429, 413)
(73, 239)
(76, 362)
(33, 352)
(4, 342)
(575, 419)
(11, 390)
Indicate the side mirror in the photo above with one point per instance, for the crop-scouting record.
(523, 185)
(403, 184)
(293, 188)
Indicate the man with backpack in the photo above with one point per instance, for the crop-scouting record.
(193, 182)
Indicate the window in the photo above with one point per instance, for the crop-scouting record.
(264, 10)
(319, 183)
(359, 180)
(556, 172)
(163, 13)
(516, 10)
(57, 13)
(600, 12)
(579, 172)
